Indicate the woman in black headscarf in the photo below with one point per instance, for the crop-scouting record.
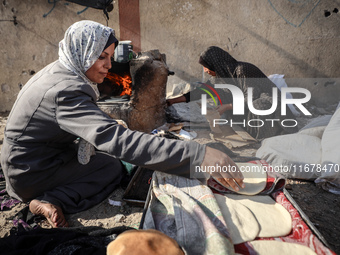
(227, 70)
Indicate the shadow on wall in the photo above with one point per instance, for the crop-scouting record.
(300, 64)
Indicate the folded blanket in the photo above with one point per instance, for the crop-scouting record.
(187, 211)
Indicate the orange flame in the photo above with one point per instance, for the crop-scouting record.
(124, 81)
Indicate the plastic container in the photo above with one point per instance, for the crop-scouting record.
(123, 52)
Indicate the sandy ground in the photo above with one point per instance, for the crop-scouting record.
(320, 206)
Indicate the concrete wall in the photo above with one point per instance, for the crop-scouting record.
(30, 45)
(276, 35)
(300, 40)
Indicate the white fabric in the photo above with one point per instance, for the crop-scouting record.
(289, 154)
(316, 127)
(310, 154)
(331, 140)
(330, 178)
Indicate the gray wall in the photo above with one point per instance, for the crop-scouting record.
(33, 43)
(279, 36)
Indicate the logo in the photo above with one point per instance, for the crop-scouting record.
(239, 103)
(205, 99)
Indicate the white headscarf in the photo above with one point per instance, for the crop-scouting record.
(82, 45)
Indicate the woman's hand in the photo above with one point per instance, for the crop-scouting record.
(175, 100)
(222, 108)
(222, 168)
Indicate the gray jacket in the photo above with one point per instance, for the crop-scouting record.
(54, 108)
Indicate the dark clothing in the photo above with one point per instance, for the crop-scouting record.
(87, 240)
(245, 75)
(38, 158)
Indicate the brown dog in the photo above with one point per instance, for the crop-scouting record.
(140, 242)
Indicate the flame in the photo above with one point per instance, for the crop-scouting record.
(124, 81)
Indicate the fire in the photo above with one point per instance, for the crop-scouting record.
(124, 81)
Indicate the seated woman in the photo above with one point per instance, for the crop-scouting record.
(56, 107)
(221, 65)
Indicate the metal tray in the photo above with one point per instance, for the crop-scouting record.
(305, 218)
(138, 188)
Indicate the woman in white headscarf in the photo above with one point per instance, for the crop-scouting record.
(58, 106)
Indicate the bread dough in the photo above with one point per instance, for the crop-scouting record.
(241, 223)
(275, 247)
(273, 218)
(255, 179)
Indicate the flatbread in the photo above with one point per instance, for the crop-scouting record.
(273, 218)
(275, 247)
(255, 179)
(241, 223)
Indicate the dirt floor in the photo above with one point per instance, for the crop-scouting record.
(320, 206)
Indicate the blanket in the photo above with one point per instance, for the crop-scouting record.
(187, 211)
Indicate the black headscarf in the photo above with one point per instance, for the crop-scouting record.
(112, 39)
(219, 61)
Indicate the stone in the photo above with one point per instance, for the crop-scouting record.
(189, 112)
(5, 88)
(119, 218)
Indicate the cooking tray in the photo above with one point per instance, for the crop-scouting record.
(305, 218)
(137, 190)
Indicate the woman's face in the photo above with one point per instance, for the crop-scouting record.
(100, 68)
(208, 71)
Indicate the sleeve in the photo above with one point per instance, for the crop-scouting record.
(195, 94)
(79, 115)
(187, 97)
(225, 95)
